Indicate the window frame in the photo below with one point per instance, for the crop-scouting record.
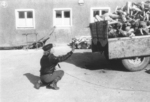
(62, 9)
(17, 18)
(97, 8)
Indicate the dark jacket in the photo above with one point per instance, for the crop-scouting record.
(48, 62)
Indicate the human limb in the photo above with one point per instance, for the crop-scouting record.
(48, 79)
(57, 75)
(65, 57)
(52, 79)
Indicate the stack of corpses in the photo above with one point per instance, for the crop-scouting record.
(83, 42)
(130, 20)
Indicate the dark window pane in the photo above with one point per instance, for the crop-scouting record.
(104, 11)
(96, 12)
(29, 14)
(58, 14)
(21, 14)
(67, 14)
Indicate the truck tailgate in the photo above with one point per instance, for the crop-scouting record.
(128, 47)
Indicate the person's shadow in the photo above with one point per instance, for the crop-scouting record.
(32, 78)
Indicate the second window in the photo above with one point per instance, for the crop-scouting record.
(62, 17)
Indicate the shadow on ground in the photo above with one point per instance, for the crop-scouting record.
(93, 61)
(147, 71)
(32, 78)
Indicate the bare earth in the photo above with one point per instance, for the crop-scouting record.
(88, 78)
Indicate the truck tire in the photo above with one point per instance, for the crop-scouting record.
(135, 64)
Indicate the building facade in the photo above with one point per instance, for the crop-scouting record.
(70, 17)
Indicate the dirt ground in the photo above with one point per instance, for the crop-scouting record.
(88, 78)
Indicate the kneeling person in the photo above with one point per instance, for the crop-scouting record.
(48, 75)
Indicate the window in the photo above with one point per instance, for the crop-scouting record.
(62, 17)
(25, 18)
(98, 11)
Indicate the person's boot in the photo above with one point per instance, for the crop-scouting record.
(38, 84)
(53, 85)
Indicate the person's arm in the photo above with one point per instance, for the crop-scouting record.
(64, 57)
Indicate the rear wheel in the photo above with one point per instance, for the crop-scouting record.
(136, 64)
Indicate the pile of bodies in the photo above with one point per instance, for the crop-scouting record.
(133, 19)
(83, 42)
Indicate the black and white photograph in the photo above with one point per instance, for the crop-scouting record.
(74, 50)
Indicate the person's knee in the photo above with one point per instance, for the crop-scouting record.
(59, 73)
(62, 73)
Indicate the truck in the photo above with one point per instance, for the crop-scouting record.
(132, 52)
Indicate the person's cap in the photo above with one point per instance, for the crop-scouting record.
(47, 47)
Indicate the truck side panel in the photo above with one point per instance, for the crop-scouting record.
(129, 47)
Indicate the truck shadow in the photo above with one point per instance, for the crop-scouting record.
(93, 61)
(148, 71)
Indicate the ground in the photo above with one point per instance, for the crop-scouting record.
(88, 78)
